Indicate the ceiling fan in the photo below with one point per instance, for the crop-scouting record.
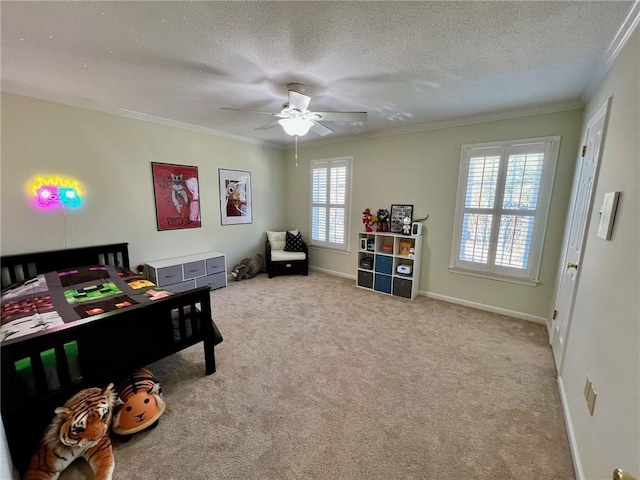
(296, 119)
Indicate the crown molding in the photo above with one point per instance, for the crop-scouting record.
(456, 122)
(624, 33)
(88, 105)
(615, 47)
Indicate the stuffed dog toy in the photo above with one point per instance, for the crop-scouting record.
(248, 267)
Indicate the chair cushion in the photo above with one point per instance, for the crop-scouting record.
(282, 256)
(277, 239)
(293, 243)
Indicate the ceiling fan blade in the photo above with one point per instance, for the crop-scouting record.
(342, 116)
(320, 129)
(298, 101)
(246, 111)
(268, 125)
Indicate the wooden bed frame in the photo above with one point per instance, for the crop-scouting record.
(106, 346)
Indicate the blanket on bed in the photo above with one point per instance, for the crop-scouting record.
(65, 296)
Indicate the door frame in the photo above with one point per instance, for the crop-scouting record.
(605, 109)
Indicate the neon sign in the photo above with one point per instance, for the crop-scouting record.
(53, 192)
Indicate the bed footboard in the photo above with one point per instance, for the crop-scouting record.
(42, 372)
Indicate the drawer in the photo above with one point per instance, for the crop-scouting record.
(168, 275)
(382, 283)
(383, 264)
(402, 287)
(150, 274)
(365, 279)
(193, 269)
(180, 286)
(215, 265)
(217, 280)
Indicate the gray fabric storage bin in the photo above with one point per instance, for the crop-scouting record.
(402, 287)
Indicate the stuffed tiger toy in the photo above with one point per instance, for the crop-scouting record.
(141, 403)
(80, 428)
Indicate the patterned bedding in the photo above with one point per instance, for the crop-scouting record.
(65, 296)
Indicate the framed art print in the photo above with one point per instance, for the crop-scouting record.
(177, 198)
(398, 213)
(235, 197)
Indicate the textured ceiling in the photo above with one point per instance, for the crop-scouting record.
(407, 64)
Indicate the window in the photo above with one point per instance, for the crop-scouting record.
(330, 193)
(504, 192)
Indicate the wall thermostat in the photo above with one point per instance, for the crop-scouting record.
(416, 229)
(404, 269)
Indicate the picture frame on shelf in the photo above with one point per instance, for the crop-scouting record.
(398, 213)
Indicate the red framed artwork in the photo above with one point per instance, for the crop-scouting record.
(175, 188)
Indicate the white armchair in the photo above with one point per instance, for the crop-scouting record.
(286, 252)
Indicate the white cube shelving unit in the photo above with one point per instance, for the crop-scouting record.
(389, 263)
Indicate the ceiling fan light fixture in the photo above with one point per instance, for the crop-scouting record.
(295, 126)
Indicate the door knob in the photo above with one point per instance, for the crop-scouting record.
(619, 474)
(572, 265)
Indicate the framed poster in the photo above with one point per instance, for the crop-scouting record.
(175, 188)
(235, 197)
(398, 213)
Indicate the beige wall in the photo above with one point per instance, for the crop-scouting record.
(422, 169)
(603, 340)
(110, 156)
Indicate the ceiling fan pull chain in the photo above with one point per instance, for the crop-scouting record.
(296, 139)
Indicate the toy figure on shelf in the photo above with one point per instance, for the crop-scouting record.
(406, 225)
(404, 247)
(369, 219)
(383, 220)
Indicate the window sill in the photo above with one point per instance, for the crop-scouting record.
(500, 278)
(330, 250)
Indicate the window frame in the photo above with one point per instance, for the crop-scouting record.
(529, 275)
(337, 162)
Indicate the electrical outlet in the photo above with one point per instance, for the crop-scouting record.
(587, 388)
(589, 395)
(591, 401)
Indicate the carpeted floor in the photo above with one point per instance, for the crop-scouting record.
(318, 379)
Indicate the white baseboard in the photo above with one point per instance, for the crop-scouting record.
(458, 301)
(333, 272)
(486, 308)
(573, 444)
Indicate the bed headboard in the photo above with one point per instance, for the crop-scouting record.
(26, 265)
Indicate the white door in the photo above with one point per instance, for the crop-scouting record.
(578, 218)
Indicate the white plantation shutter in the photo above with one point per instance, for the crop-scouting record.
(319, 185)
(504, 192)
(480, 196)
(330, 184)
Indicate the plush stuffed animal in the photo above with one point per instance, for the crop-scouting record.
(142, 405)
(248, 267)
(80, 428)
